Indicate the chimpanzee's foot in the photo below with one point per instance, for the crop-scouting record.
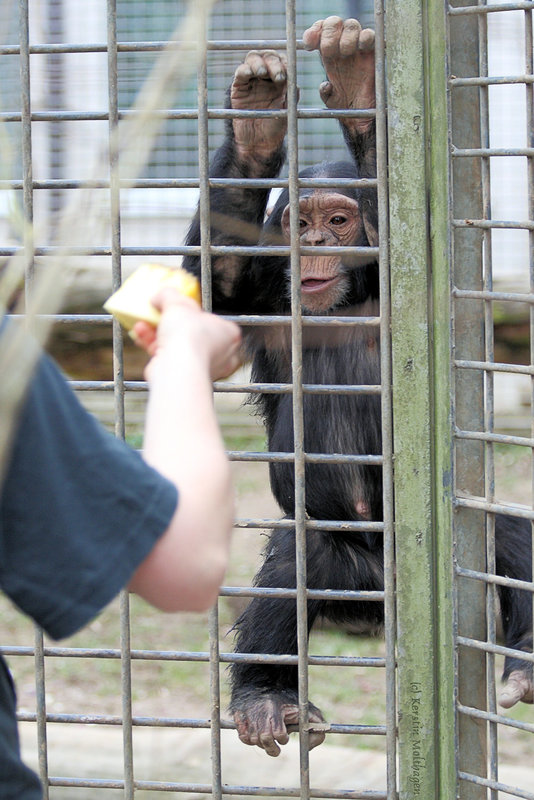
(267, 720)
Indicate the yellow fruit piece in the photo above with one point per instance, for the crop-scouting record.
(131, 302)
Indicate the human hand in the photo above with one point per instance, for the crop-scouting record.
(185, 327)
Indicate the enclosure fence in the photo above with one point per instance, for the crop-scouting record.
(443, 285)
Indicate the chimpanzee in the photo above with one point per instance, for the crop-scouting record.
(265, 698)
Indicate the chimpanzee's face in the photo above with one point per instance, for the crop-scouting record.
(326, 219)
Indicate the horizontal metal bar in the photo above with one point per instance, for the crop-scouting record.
(491, 81)
(498, 718)
(496, 438)
(232, 388)
(514, 297)
(150, 46)
(490, 366)
(194, 250)
(310, 458)
(241, 319)
(499, 580)
(476, 152)
(252, 388)
(197, 657)
(522, 512)
(527, 5)
(494, 224)
(198, 788)
(193, 183)
(189, 114)
(195, 724)
(497, 649)
(311, 594)
(502, 787)
(326, 526)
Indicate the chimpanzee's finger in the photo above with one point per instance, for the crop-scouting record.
(312, 36)
(366, 42)
(276, 65)
(330, 36)
(325, 90)
(349, 39)
(243, 74)
(518, 687)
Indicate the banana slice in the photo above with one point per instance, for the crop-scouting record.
(131, 302)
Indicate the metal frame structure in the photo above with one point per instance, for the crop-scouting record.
(437, 405)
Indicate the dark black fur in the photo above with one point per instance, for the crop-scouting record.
(333, 424)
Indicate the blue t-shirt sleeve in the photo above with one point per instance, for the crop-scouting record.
(79, 510)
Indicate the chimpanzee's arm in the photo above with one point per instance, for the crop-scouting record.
(348, 56)
(252, 148)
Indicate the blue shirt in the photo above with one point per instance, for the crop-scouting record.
(79, 512)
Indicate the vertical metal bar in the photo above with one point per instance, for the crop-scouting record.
(440, 238)
(298, 414)
(386, 409)
(40, 703)
(468, 317)
(126, 695)
(489, 404)
(411, 369)
(55, 88)
(529, 88)
(116, 270)
(203, 167)
(205, 260)
(29, 270)
(118, 377)
(215, 699)
(26, 143)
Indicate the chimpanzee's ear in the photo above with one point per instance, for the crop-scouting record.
(368, 207)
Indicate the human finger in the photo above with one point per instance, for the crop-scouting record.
(144, 335)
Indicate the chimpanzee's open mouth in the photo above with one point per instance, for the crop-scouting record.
(317, 284)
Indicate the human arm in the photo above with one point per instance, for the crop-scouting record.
(183, 442)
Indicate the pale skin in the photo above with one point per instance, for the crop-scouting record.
(190, 349)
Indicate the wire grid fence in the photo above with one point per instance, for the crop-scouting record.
(473, 295)
(45, 654)
(483, 147)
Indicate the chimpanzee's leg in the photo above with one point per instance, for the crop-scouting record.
(513, 548)
(265, 696)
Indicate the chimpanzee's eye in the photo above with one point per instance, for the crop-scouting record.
(302, 223)
(339, 219)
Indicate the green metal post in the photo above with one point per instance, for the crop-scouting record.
(421, 344)
(441, 258)
(412, 399)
